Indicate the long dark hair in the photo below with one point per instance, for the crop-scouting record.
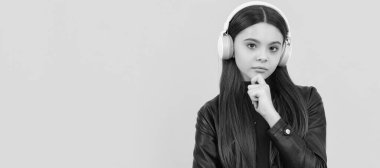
(236, 141)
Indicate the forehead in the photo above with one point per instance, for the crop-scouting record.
(261, 31)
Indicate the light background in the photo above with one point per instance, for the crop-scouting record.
(114, 84)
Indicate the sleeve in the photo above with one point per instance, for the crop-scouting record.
(307, 152)
(205, 150)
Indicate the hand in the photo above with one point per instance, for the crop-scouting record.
(260, 95)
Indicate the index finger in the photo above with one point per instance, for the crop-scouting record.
(258, 79)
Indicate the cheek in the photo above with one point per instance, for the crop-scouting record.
(272, 68)
(242, 61)
(242, 56)
(238, 57)
(241, 64)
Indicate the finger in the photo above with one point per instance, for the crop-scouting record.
(260, 79)
(254, 98)
(253, 95)
(253, 86)
(255, 104)
(254, 80)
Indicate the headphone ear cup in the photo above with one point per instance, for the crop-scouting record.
(286, 55)
(225, 47)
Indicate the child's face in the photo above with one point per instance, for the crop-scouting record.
(259, 45)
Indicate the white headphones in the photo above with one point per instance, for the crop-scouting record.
(225, 42)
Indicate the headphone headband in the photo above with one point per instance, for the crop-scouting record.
(254, 3)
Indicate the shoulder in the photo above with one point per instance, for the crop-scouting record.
(313, 101)
(206, 118)
(309, 93)
(210, 107)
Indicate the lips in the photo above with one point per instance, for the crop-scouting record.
(260, 68)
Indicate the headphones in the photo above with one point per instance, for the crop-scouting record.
(225, 42)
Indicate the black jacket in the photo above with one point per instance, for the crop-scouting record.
(295, 151)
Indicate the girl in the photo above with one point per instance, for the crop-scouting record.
(260, 117)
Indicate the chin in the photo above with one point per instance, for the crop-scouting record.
(251, 75)
(264, 75)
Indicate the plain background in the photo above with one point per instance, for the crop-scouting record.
(117, 84)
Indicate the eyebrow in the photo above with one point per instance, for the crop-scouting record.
(257, 41)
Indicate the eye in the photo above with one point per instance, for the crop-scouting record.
(251, 45)
(273, 49)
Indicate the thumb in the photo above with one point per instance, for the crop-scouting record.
(255, 104)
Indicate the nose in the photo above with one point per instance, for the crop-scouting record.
(262, 57)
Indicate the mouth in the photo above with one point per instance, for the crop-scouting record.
(260, 68)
